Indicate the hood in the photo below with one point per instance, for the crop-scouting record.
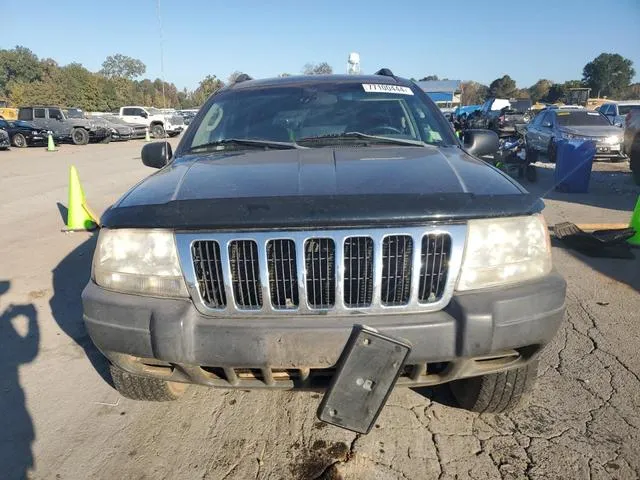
(322, 186)
(593, 130)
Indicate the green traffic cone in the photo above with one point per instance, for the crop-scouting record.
(635, 224)
(51, 147)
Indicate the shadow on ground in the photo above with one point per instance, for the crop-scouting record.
(69, 279)
(19, 344)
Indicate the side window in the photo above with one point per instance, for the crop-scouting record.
(38, 112)
(55, 113)
(139, 112)
(25, 114)
(613, 109)
(544, 118)
(128, 111)
(606, 109)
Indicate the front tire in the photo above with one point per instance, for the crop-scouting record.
(552, 151)
(157, 131)
(19, 141)
(106, 139)
(634, 159)
(79, 136)
(496, 392)
(147, 389)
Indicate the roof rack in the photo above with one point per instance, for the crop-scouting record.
(243, 77)
(385, 72)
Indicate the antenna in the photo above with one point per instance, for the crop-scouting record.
(164, 103)
(353, 64)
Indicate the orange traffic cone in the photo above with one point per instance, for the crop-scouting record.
(79, 216)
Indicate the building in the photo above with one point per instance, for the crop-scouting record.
(445, 93)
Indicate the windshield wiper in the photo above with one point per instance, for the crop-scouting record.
(246, 142)
(363, 136)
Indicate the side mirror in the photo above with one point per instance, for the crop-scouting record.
(156, 154)
(480, 142)
(546, 124)
(144, 114)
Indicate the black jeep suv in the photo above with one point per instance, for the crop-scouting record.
(295, 208)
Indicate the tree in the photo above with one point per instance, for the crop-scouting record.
(234, 77)
(504, 87)
(429, 78)
(539, 90)
(322, 68)
(119, 65)
(208, 85)
(608, 74)
(473, 93)
(18, 65)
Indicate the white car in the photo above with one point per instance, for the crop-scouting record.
(617, 111)
(160, 124)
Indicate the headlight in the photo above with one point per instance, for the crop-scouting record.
(612, 140)
(568, 136)
(505, 250)
(138, 261)
(114, 131)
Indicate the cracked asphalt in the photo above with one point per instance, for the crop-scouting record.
(61, 419)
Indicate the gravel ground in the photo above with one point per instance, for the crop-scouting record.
(60, 418)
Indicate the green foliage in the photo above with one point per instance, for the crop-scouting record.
(539, 90)
(208, 85)
(504, 87)
(119, 65)
(18, 65)
(609, 74)
(473, 93)
(322, 68)
(429, 78)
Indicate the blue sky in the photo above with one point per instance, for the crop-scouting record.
(467, 39)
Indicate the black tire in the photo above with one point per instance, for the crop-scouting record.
(496, 392)
(157, 131)
(531, 173)
(79, 136)
(148, 389)
(19, 141)
(634, 159)
(106, 139)
(532, 155)
(552, 151)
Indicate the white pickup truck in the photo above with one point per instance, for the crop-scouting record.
(160, 124)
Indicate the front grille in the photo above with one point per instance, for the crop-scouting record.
(358, 272)
(373, 271)
(434, 263)
(283, 283)
(208, 268)
(319, 256)
(397, 254)
(245, 274)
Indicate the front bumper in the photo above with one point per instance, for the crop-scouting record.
(609, 150)
(477, 333)
(98, 134)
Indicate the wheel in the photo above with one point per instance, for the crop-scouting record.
(496, 392)
(531, 173)
(157, 131)
(19, 141)
(106, 139)
(552, 151)
(532, 155)
(79, 136)
(145, 388)
(174, 134)
(634, 159)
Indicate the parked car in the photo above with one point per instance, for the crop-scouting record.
(138, 130)
(23, 134)
(295, 208)
(632, 142)
(464, 111)
(160, 124)
(5, 142)
(501, 115)
(118, 132)
(617, 111)
(553, 124)
(80, 131)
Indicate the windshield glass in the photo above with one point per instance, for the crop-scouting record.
(577, 118)
(154, 111)
(74, 113)
(293, 113)
(624, 109)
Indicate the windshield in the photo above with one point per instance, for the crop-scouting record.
(578, 118)
(154, 111)
(625, 109)
(294, 113)
(74, 113)
(520, 106)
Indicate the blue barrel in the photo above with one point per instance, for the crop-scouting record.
(573, 165)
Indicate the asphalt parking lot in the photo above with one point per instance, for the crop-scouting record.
(61, 419)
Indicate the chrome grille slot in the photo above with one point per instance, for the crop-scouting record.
(320, 269)
(245, 274)
(283, 282)
(358, 272)
(397, 251)
(434, 261)
(208, 268)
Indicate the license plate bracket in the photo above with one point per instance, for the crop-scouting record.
(367, 371)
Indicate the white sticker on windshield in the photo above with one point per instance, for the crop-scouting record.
(386, 88)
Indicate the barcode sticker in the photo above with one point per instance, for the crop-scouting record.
(386, 88)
